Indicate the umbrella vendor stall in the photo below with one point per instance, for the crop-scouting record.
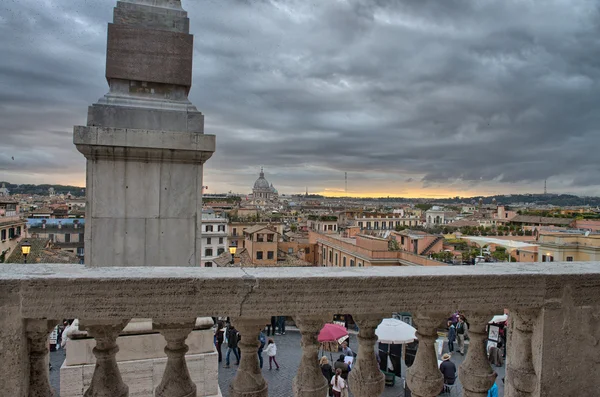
(331, 336)
(393, 334)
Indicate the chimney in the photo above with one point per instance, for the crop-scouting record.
(59, 224)
(43, 224)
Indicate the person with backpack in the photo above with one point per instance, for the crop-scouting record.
(262, 339)
(232, 345)
(462, 332)
(272, 352)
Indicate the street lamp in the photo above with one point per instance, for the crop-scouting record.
(25, 249)
(232, 250)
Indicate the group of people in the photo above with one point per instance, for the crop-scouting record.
(458, 331)
(228, 335)
(337, 376)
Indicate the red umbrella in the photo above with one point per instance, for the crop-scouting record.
(332, 333)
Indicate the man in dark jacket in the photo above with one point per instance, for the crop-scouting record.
(448, 369)
(343, 366)
(232, 345)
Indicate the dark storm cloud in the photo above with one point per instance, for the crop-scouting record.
(443, 92)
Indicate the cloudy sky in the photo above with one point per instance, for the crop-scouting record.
(409, 97)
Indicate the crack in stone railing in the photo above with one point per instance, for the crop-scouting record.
(251, 282)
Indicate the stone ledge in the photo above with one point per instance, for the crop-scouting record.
(106, 142)
(191, 292)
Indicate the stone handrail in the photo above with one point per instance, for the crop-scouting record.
(548, 301)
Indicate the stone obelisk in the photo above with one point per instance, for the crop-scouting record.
(145, 144)
(145, 148)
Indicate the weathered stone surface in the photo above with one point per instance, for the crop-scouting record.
(149, 55)
(424, 377)
(147, 15)
(14, 362)
(309, 381)
(476, 374)
(366, 380)
(37, 334)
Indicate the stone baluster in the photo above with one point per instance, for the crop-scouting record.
(475, 373)
(521, 379)
(176, 380)
(309, 381)
(366, 380)
(248, 381)
(424, 377)
(37, 334)
(106, 381)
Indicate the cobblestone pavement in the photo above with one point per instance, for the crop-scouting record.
(280, 382)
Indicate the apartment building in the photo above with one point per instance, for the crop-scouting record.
(12, 226)
(214, 238)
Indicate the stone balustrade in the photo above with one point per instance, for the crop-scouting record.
(553, 346)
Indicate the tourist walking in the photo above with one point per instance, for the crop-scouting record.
(272, 352)
(462, 332)
(338, 383)
(451, 336)
(262, 339)
(327, 371)
(219, 337)
(232, 346)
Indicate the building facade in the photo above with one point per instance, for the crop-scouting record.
(264, 192)
(214, 238)
(12, 227)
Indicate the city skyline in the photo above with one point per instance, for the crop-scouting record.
(424, 99)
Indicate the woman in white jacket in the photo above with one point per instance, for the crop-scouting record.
(271, 351)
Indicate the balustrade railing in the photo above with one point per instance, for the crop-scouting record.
(553, 345)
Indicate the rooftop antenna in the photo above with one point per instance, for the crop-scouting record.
(545, 190)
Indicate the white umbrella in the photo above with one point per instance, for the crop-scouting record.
(500, 318)
(395, 332)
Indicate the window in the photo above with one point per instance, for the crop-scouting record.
(221, 228)
(336, 259)
(51, 237)
(67, 238)
(208, 252)
(220, 240)
(208, 264)
(209, 228)
(330, 256)
(270, 254)
(351, 262)
(307, 250)
(344, 261)
(383, 225)
(220, 251)
(569, 259)
(3, 234)
(235, 231)
(11, 232)
(18, 230)
(259, 254)
(260, 238)
(81, 237)
(290, 250)
(360, 224)
(270, 238)
(80, 251)
(208, 240)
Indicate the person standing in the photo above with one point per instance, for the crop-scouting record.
(462, 332)
(327, 371)
(272, 352)
(448, 370)
(273, 326)
(342, 366)
(451, 336)
(338, 383)
(219, 336)
(346, 350)
(232, 345)
(262, 339)
(281, 323)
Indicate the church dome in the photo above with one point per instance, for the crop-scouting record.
(261, 182)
